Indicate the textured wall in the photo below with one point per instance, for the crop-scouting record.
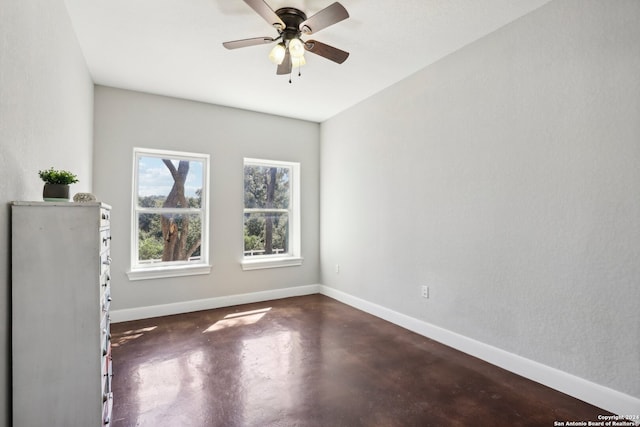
(506, 178)
(46, 104)
(125, 119)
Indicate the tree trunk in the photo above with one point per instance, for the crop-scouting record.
(268, 224)
(175, 235)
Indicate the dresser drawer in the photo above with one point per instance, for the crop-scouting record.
(105, 217)
(105, 262)
(105, 280)
(106, 299)
(105, 239)
(105, 331)
(107, 408)
(107, 373)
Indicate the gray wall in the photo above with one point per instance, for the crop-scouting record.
(46, 99)
(125, 119)
(505, 177)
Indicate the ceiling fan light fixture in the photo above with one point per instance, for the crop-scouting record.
(296, 48)
(277, 54)
(292, 24)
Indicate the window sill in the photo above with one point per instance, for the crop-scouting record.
(162, 272)
(260, 263)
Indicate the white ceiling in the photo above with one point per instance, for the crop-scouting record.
(174, 48)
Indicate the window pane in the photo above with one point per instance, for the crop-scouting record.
(170, 183)
(266, 233)
(169, 237)
(266, 187)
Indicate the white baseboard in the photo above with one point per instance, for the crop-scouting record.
(592, 393)
(127, 314)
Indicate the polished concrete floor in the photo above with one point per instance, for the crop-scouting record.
(312, 361)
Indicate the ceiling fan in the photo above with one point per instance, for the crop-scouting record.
(291, 25)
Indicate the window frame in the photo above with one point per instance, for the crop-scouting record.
(294, 256)
(138, 271)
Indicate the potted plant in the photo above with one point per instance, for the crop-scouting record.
(56, 184)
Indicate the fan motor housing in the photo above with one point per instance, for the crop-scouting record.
(292, 19)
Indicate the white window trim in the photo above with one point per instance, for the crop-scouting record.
(294, 257)
(175, 269)
(169, 271)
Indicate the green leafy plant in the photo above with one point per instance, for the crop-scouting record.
(52, 176)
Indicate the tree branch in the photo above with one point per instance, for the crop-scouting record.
(193, 248)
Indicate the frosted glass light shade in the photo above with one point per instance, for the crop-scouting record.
(298, 62)
(277, 54)
(296, 48)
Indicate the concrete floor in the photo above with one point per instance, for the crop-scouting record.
(312, 361)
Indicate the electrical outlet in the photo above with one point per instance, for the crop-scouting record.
(425, 291)
(337, 268)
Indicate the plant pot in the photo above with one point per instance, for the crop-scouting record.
(55, 193)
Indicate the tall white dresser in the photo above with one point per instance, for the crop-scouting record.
(61, 350)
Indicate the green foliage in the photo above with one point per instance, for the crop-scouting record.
(169, 225)
(150, 241)
(266, 189)
(253, 225)
(258, 181)
(252, 243)
(196, 202)
(151, 201)
(52, 176)
(150, 248)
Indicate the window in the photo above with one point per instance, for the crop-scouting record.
(170, 214)
(271, 214)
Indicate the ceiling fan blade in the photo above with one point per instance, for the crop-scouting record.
(326, 17)
(235, 44)
(326, 51)
(285, 67)
(266, 12)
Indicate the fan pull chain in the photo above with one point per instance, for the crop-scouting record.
(290, 73)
